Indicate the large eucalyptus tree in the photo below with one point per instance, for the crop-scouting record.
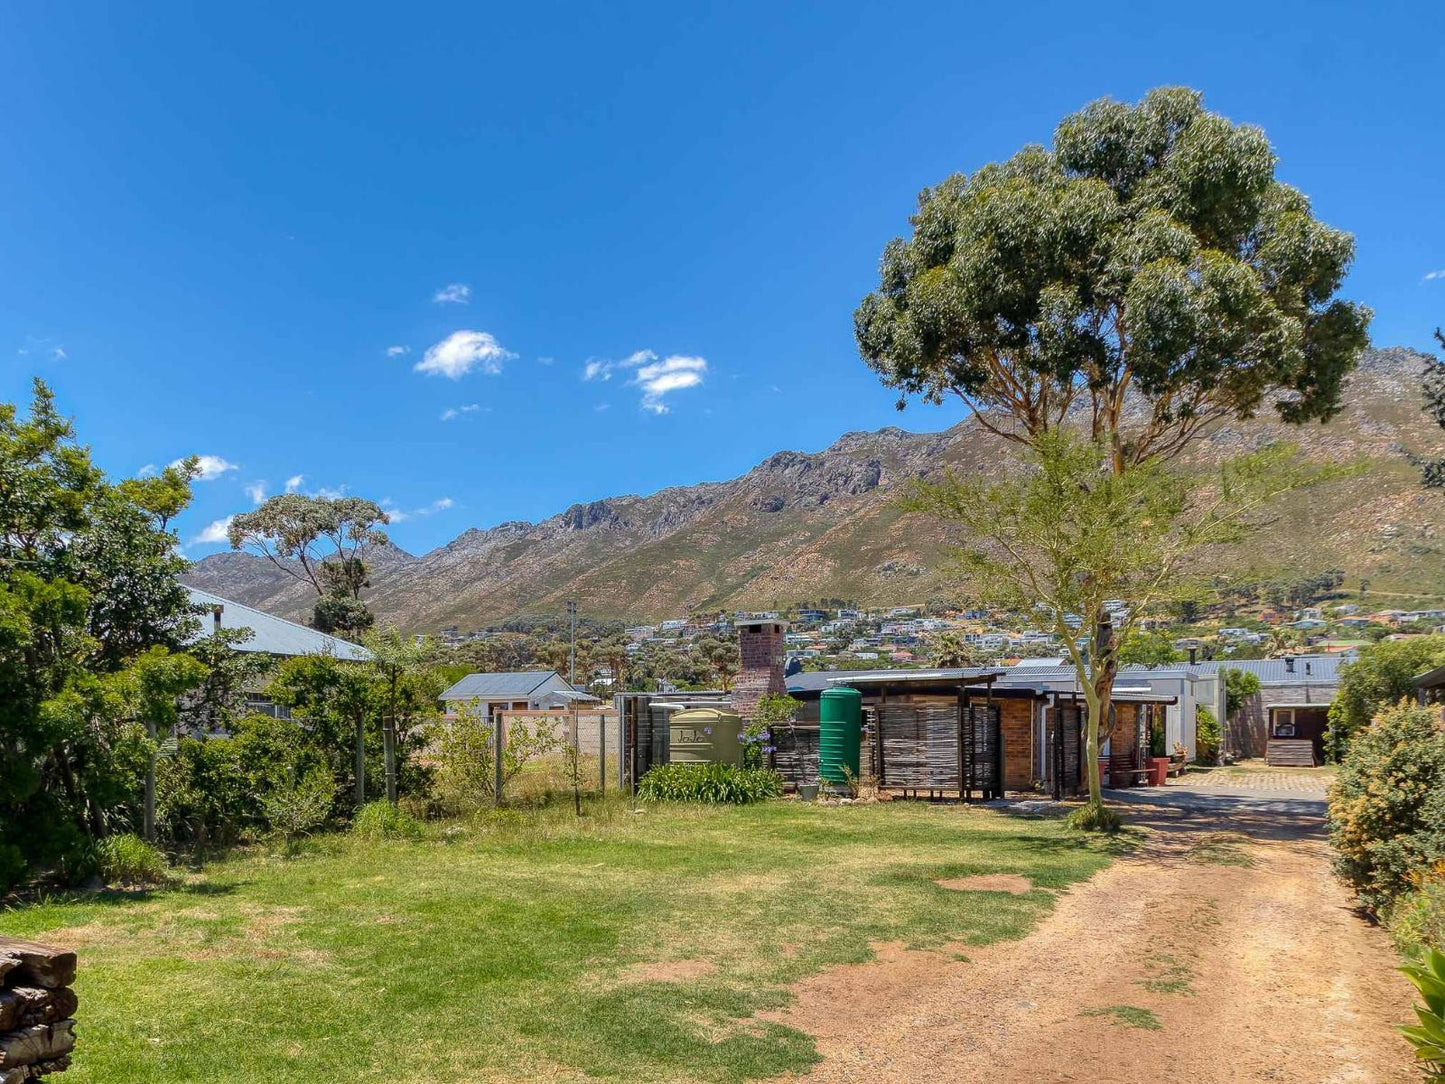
(1144, 276)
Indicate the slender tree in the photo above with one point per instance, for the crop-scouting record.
(1064, 536)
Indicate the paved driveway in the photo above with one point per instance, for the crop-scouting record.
(1297, 794)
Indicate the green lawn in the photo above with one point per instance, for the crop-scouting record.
(530, 945)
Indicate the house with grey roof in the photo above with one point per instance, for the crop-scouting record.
(270, 635)
(515, 690)
(1285, 722)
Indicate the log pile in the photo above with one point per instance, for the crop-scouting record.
(37, 1010)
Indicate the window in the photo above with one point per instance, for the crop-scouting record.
(257, 704)
(1284, 723)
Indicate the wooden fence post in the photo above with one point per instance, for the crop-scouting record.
(497, 740)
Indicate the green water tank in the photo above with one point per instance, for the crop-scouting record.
(840, 734)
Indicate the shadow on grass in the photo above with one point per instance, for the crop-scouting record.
(114, 897)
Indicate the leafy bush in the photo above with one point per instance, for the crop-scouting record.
(1382, 675)
(710, 783)
(1206, 736)
(463, 750)
(1239, 686)
(1093, 817)
(1417, 919)
(773, 710)
(1428, 1038)
(301, 806)
(1387, 807)
(130, 860)
(382, 820)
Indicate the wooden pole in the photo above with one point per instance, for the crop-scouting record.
(388, 742)
(148, 819)
(497, 758)
(576, 765)
(360, 760)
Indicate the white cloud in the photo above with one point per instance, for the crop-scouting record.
(42, 345)
(603, 368)
(208, 467)
(660, 378)
(294, 482)
(397, 351)
(214, 532)
(401, 515)
(257, 492)
(146, 471)
(1431, 276)
(461, 352)
(331, 494)
(600, 407)
(453, 293)
(456, 412)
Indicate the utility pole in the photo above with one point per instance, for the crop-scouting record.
(572, 646)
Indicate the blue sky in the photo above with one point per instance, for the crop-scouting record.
(382, 248)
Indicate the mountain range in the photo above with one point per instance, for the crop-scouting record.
(802, 527)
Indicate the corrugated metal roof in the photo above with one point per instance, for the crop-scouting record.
(818, 680)
(272, 635)
(510, 684)
(1307, 668)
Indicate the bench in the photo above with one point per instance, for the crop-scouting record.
(1123, 773)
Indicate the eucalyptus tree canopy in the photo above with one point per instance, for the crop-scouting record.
(1149, 252)
(323, 542)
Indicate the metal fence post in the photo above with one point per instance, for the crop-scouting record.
(601, 753)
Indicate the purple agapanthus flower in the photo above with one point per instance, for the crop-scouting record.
(707, 730)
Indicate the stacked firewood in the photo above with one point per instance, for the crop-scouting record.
(37, 1010)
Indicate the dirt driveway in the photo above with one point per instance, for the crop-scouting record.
(1223, 951)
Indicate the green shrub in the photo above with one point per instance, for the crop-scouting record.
(300, 806)
(1382, 675)
(1206, 736)
(382, 820)
(711, 783)
(213, 792)
(130, 860)
(1387, 807)
(1417, 919)
(1093, 817)
(12, 866)
(1428, 1038)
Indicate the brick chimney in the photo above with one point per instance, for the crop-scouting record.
(760, 643)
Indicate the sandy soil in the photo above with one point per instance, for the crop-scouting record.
(1246, 972)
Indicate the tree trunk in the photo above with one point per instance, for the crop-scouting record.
(1099, 694)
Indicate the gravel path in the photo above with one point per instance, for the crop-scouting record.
(1223, 952)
